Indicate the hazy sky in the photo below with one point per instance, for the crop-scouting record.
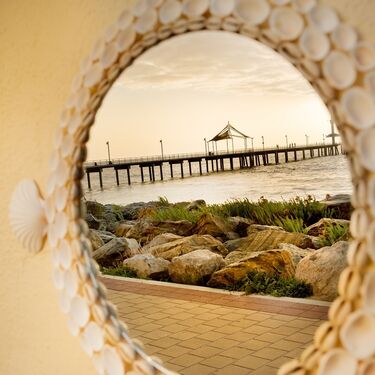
(188, 88)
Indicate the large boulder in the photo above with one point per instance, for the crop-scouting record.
(145, 230)
(187, 245)
(115, 251)
(161, 239)
(255, 228)
(96, 209)
(105, 235)
(94, 223)
(132, 211)
(195, 268)
(233, 245)
(146, 266)
(340, 204)
(240, 224)
(123, 228)
(297, 253)
(215, 226)
(96, 240)
(322, 269)
(272, 262)
(320, 228)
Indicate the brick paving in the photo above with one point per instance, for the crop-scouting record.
(198, 332)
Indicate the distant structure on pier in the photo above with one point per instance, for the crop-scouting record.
(229, 132)
(333, 135)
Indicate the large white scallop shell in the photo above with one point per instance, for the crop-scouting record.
(112, 361)
(146, 22)
(357, 334)
(339, 70)
(344, 37)
(364, 56)
(253, 12)
(195, 8)
(314, 44)
(286, 23)
(324, 18)
(170, 11)
(221, 8)
(27, 217)
(337, 362)
(358, 107)
(366, 149)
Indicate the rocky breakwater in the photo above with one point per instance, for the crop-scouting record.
(207, 247)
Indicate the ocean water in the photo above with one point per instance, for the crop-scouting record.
(316, 177)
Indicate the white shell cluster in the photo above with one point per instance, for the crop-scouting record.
(341, 67)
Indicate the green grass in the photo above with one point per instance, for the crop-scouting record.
(293, 215)
(261, 283)
(333, 234)
(118, 271)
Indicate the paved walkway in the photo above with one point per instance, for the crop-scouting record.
(198, 332)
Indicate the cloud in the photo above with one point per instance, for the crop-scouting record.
(215, 61)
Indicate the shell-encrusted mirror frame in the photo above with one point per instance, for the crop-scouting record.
(341, 69)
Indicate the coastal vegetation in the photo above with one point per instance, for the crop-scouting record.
(292, 248)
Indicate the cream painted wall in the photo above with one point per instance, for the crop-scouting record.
(42, 43)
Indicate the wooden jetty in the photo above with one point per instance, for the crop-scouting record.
(210, 162)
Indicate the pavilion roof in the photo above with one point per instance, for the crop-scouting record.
(229, 132)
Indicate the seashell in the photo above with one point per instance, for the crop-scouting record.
(339, 70)
(109, 56)
(126, 352)
(356, 168)
(369, 82)
(64, 302)
(98, 362)
(113, 364)
(64, 118)
(249, 31)
(368, 291)
(58, 278)
(146, 22)
(309, 357)
(113, 72)
(164, 32)
(366, 150)
(67, 146)
(370, 247)
(370, 194)
(325, 336)
(221, 8)
(79, 311)
(71, 283)
(325, 91)
(280, 2)
(309, 69)
(339, 310)
(286, 23)
(142, 367)
(357, 254)
(213, 23)
(367, 368)
(27, 215)
(231, 24)
(61, 173)
(269, 38)
(344, 37)
(254, 12)
(73, 327)
(77, 82)
(348, 138)
(60, 225)
(125, 20)
(349, 283)
(337, 362)
(125, 61)
(290, 51)
(155, 3)
(100, 313)
(73, 123)
(85, 65)
(82, 99)
(357, 334)
(196, 23)
(314, 44)
(195, 8)
(359, 108)
(324, 18)
(65, 255)
(140, 8)
(170, 11)
(337, 115)
(180, 26)
(136, 49)
(364, 56)
(93, 76)
(92, 338)
(304, 6)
